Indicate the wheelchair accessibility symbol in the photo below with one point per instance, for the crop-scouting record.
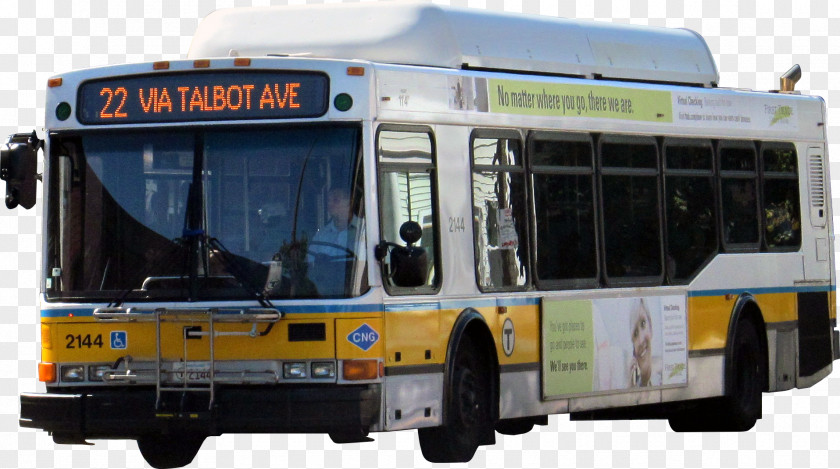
(119, 340)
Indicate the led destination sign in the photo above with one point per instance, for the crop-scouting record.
(203, 96)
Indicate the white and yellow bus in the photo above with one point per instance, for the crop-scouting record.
(359, 218)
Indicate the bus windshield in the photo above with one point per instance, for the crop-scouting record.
(189, 215)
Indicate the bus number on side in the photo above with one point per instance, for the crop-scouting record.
(457, 225)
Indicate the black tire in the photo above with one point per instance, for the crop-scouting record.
(468, 413)
(742, 404)
(169, 451)
(740, 408)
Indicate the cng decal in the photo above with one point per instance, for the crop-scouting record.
(363, 337)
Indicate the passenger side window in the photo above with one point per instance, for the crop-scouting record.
(689, 207)
(630, 201)
(780, 196)
(739, 201)
(499, 211)
(407, 194)
(563, 172)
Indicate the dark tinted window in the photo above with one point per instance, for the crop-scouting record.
(631, 226)
(562, 153)
(738, 196)
(689, 207)
(630, 199)
(782, 222)
(564, 203)
(740, 158)
(697, 157)
(628, 155)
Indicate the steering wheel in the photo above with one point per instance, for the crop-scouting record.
(348, 253)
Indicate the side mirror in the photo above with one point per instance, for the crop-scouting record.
(411, 232)
(18, 167)
(409, 264)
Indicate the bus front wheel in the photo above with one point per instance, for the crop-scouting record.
(169, 451)
(468, 411)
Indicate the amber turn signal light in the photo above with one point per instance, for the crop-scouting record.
(46, 372)
(356, 71)
(356, 370)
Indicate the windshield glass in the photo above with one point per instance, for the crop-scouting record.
(207, 214)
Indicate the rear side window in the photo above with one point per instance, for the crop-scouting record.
(738, 195)
(780, 197)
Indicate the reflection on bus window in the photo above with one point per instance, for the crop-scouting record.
(501, 238)
(406, 193)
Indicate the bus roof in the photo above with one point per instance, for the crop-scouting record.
(438, 36)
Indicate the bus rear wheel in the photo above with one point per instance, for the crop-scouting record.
(169, 451)
(742, 405)
(468, 412)
(740, 408)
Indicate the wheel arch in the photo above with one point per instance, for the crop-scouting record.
(746, 308)
(471, 323)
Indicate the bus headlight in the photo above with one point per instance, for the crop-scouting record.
(97, 372)
(294, 370)
(323, 370)
(72, 373)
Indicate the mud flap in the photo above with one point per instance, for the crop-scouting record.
(815, 336)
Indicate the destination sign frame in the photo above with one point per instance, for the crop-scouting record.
(202, 96)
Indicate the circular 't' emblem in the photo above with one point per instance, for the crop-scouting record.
(508, 337)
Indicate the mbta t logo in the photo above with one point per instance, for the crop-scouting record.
(363, 337)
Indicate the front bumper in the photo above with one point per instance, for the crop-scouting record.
(127, 413)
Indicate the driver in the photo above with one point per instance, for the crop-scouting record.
(344, 228)
(335, 244)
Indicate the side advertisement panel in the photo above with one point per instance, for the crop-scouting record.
(613, 344)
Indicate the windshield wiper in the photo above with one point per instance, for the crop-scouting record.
(233, 267)
(177, 243)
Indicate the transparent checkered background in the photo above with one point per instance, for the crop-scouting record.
(752, 44)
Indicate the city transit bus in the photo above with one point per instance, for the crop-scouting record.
(389, 217)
